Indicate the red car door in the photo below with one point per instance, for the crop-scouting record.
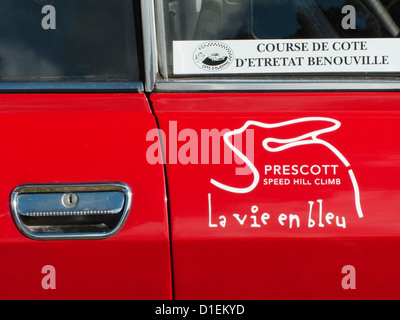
(281, 134)
(83, 213)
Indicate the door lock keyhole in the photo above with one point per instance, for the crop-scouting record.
(70, 200)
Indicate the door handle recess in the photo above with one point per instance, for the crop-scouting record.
(78, 211)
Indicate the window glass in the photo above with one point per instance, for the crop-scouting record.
(282, 36)
(68, 40)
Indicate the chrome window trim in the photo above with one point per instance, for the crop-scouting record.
(164, 83)
(67, 188)
(161, 39)
(106, 86)
(149, 43)
(217, 85)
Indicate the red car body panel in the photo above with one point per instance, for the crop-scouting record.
(84, 138)
(284, 239)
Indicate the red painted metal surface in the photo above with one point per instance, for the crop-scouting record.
(327, 195)
(83, 138)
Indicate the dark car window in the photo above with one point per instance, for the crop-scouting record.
(81, 40)
(227, 20)
(292, 19)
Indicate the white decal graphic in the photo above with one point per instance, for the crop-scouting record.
(292, 221)
(311, 138)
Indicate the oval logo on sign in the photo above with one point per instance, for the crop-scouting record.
(213, 56)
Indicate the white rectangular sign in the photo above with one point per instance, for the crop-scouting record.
(286, 56)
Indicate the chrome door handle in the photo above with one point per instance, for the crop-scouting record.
(79, 211)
